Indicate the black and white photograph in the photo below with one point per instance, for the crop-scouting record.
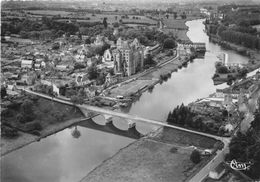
(130, 91)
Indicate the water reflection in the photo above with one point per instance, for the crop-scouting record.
(63, 158)
(188, 84)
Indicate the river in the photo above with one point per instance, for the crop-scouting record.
(61, 157)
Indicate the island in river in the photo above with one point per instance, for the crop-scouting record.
(150, 105)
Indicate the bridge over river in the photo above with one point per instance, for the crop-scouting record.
(109, 114)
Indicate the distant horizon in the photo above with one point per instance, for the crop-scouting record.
(140, 1)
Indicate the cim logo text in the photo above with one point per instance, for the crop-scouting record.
(241, 166)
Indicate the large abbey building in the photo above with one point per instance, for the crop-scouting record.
(128, 57)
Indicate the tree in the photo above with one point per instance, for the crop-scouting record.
(27, 107)
(87, 41)
(243, 72)
(230, 79)
(92, 72)
(78, 65)
(55, 46)
(76, 99)
(3, 92)
(245, 147)
(222, 69)
(76, 133)
(149, 60)
(169, 43)
(175, 15)
(116, 24)
(255, 124)
(105, 22)
(183, 15)
(195, 156)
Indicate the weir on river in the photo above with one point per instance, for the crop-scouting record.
(61, 157)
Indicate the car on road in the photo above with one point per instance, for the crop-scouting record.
(120, 97)
(207, 152)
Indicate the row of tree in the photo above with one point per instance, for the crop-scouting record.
(243, 39)
(180, 115)
(183, 116)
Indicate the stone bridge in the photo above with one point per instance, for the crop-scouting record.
(91, 111)
(109, 127)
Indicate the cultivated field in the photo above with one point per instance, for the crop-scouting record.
(49, 12)
(88, 17)
(145, 160)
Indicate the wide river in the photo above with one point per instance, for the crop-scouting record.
(62, 158)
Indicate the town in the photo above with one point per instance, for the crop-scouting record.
(165, 84)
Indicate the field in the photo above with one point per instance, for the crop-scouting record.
(173, 136)
(131, 87)
(164, 155)
(145, 160)
(175, 24)
(180, 34)
(49, 12)
(87, 17)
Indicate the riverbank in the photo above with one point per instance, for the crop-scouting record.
(253, 55)
(163, 155)
(150, 78)
(179, 28)
(49, 125)
(24, 139)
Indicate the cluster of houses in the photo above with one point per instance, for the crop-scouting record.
(53, 67)
(232, 99)
(223, 60)
(185, 48)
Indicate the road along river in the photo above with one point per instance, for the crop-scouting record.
(61, 157)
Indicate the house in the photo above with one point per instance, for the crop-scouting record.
(115, 32)
(100, 40)
(107, 57)
(11, 87)
(229, 127)
(82, 79)
(63, 67)
(181, 50)
(224, 60)
(218, 172)
(29, 78)
(80, 58)
(37, 66)
(26, 63)
(13, 77)
(110, 80)
(56, 85)
(43, 64)
(91, 91)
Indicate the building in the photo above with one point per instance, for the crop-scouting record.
(128, 57)
(110, 80)
(82, 79)
(218, 172)
(199, 47)
(107, 57)
(223, 57)
(29, 78)
(26, 63)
